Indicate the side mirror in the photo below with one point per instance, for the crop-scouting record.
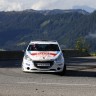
(23, 50)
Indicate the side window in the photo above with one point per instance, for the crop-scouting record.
(32, 48)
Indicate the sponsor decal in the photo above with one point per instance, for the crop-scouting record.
(43, 54)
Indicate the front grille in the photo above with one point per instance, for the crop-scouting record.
(43, 64)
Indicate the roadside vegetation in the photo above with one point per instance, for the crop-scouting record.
(82, 45)
(93, 53)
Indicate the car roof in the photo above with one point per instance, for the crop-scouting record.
(44, 42)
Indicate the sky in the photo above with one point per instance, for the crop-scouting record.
(18, 5)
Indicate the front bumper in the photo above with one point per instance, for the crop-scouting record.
(29, 66)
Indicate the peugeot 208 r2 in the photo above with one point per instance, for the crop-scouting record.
(43, 56)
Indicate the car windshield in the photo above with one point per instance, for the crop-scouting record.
(43, 47)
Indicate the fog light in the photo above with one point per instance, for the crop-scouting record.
(28, 68)
(58, 68)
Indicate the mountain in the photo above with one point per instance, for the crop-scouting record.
(87, 8)
(17, 29)
(56, 11)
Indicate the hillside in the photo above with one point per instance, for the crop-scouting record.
(65, 26)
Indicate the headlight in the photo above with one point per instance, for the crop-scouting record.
(59, 58)
(27, 58)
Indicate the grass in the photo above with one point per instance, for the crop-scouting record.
(93, 54)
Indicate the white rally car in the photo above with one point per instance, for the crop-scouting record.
(43, 56)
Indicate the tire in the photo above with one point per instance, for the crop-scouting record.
(64, 71)
(22, 68)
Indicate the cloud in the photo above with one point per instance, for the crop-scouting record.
(9, 5)
(87, 8)
(2, 6)
(61, 4)
(39, 5)
(43, 4)
(91, 35)
(51, 4)
(14, 6)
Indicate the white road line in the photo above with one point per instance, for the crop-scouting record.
(58, 84)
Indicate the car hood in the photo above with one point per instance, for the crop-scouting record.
(43, 55)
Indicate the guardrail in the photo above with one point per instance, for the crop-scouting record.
(19, 54)
(11, 54)
(75, 53)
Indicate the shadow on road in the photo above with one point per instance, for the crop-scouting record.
(76, 67)
(81, 67)
(76, 73)
(80, 60)
(10, 63)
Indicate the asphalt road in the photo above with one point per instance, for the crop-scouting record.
(79, 80)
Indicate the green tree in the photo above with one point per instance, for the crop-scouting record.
(81, 44)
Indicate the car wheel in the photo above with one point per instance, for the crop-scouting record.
(64, 71)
